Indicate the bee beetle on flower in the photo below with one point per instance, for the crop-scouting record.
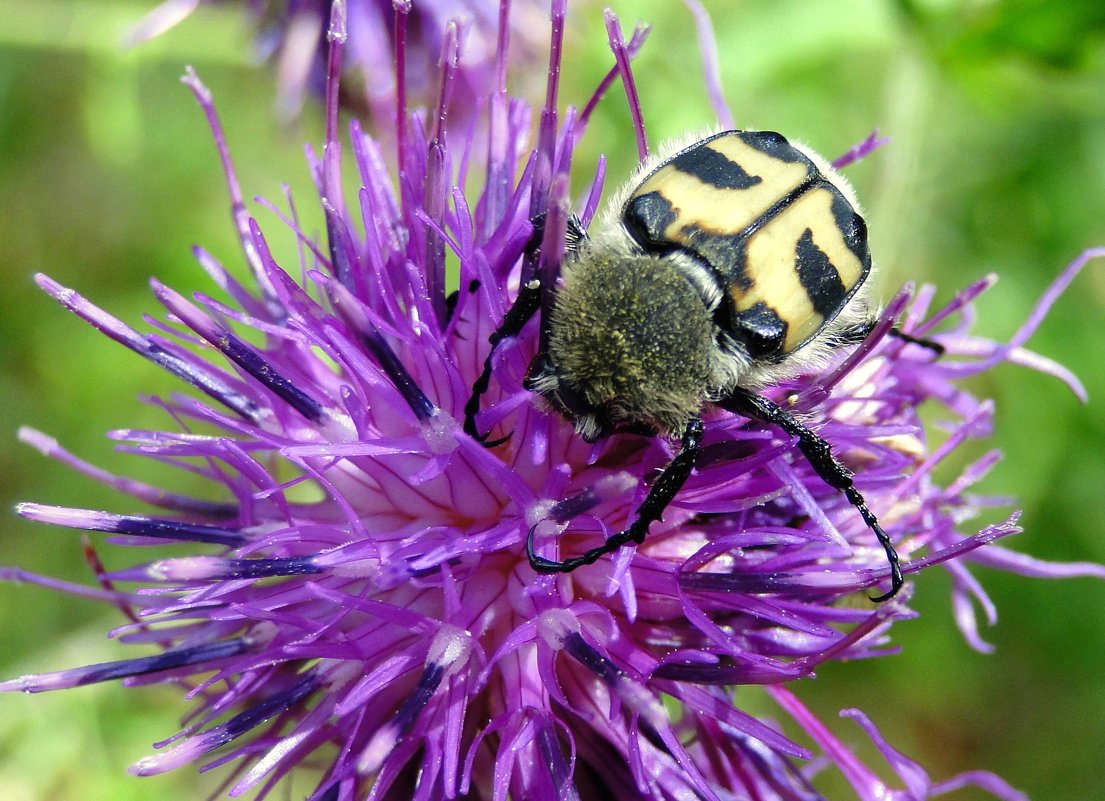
(353, 599)
(724, 267)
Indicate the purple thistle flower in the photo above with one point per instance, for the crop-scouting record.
(362, 598)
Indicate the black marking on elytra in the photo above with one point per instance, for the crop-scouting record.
(776, 145)
(714, 169)
(852, 228)
(723, 254)
(647, 217)
(760, 330)
(819, 277)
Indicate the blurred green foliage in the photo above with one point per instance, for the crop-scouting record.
(996, 112)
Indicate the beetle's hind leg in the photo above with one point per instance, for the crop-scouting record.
(820, 456)
(652, 508)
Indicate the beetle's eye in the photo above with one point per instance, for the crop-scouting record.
(543, 379)
(570, 402)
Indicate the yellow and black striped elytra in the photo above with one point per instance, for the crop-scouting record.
(728, 264)
(758, 212)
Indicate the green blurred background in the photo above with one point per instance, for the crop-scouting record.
(996, 111)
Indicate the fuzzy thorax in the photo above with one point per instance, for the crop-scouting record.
(632, 343)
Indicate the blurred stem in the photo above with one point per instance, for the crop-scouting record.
(908, 104)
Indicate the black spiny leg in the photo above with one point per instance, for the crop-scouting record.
(860, 332)
(525, 306)
(651, 509)
(935, 347)
(821, 458)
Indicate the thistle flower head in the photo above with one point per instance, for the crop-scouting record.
(361, 596)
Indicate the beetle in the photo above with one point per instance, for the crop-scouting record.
(725, 266)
